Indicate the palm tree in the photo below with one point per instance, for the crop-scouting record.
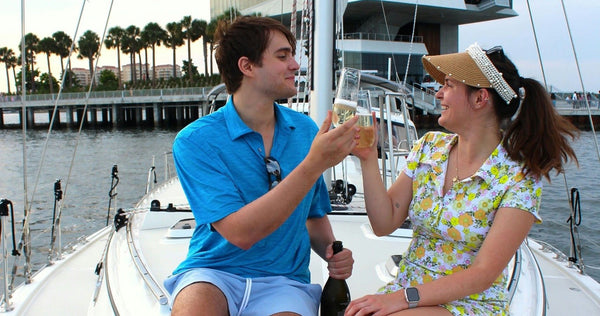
(174, 39)
(144, 45)
(192, 30)
(63, 47)
(114, 39)
(209, 36)
(154, 35)
(48, 45)
(131, 46)
(31, 42)
(12, 62)
(89, 44)
(6, 54)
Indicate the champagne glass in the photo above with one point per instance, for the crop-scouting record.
(346, 96)
(365, 120)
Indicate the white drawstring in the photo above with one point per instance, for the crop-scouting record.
(246, 296)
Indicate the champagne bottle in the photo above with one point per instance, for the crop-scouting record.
(336, 295)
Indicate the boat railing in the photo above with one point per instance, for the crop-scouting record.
(5, 305)
(395, 146)
(169, 170)
(382, 37)
(113, 94)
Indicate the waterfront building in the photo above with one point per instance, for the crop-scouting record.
(140, 72)
(82, 75)
(374, 40)
(166, 71)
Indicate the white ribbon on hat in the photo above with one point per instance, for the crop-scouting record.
(491, 73)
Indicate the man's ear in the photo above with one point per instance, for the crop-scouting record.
(245, 66)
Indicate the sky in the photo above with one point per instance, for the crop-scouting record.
(44, 17)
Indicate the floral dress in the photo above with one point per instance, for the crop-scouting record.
(449, 229)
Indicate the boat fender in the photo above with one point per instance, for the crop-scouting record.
(120, 219)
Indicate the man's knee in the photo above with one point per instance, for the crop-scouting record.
(200, 299)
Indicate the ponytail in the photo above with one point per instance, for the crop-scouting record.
(534, 133)
(539, 136)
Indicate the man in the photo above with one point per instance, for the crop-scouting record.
(252, 173)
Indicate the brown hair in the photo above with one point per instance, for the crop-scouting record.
(247, 36)
(538, 136)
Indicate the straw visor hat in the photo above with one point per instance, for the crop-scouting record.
(459, 66)
(473, 68)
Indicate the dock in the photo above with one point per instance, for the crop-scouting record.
(173, 108)
(106, 109)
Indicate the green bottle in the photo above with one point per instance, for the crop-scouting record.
(336, 295)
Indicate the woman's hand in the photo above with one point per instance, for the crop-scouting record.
(364, 153)
(377, 304)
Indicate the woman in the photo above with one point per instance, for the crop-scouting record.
(472, 195)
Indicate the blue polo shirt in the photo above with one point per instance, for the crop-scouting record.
(220, 163)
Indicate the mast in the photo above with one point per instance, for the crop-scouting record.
(321, 95)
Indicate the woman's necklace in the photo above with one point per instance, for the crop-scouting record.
(456, 178)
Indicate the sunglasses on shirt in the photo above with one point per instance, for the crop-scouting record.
(273, 171)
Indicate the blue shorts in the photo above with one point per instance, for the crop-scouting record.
(252, 296)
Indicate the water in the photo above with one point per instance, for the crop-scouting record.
(86, 193)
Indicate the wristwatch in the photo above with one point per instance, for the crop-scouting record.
(412, 296)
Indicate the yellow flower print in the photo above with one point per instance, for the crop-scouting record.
(436, 155)
(414, 283)
(454, 234)
(538, 192)
(427, 278)
(465, 220)
(504, 179)
(474, 296)
(420, 252)
(484, 186)
(519, 176)
(494, 171)
(500, 279)
(459, 203)
(454, 221)
(460, 196)
(484, 204)
(437, 169)
(412, 165)
(480, 214)
(426, 203)
(457, 269)
(447, 248)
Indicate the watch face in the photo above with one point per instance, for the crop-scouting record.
(412, 294)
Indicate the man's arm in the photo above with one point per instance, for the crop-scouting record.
(321, 240)
(261, 217)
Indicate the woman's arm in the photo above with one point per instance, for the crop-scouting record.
(508, 231)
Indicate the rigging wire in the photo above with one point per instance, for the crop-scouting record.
(581, 79)
(412, 38)
(537, 46)
(28, 201)
(23, 242)
(573, 196)
(86, 103)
